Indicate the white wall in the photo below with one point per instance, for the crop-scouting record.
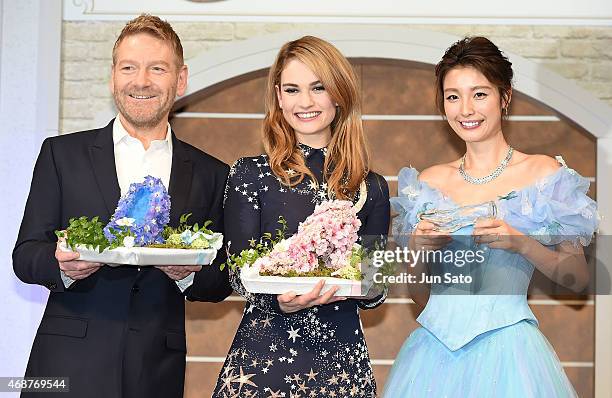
(593, 12)
(30, 33)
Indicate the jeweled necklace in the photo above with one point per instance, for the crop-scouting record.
(488, 178)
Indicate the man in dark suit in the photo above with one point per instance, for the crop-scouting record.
(120, 331)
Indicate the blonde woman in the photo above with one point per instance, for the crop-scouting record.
(311, 344)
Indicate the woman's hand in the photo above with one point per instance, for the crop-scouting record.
(291, 302)
(498, 234)
(424, 237)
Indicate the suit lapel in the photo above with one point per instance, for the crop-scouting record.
(102, 156)
(180, 180)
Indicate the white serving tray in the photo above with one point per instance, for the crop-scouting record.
(145, 256)
(255, 283)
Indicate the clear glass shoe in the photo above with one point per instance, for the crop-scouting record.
(452, 220)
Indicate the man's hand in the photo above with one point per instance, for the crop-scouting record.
(73, 268)
(178, 272)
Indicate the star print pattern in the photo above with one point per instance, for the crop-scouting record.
(294, 355)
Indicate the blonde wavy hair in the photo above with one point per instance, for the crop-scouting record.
(347, 160)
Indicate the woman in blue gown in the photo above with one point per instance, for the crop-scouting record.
(310, 345)
(481, 339)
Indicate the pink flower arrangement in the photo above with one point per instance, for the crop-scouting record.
(325, 239)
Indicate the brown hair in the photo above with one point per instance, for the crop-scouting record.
(154, 26)
(347, 160)
(481, 54)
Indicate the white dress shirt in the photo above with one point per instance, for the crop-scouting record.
(133, 163)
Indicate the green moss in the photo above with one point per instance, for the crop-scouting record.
(319, 272)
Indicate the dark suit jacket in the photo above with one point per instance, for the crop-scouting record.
(119, 332)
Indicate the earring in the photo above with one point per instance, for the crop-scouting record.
(506, 111)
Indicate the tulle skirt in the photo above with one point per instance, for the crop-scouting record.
(514, 361)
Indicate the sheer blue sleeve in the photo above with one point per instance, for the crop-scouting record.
(555, 209)
(413, 198)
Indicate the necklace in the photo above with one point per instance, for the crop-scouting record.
(488, 178)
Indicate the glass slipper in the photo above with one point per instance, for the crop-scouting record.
(452, 220)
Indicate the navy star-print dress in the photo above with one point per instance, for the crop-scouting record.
(316, 352)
